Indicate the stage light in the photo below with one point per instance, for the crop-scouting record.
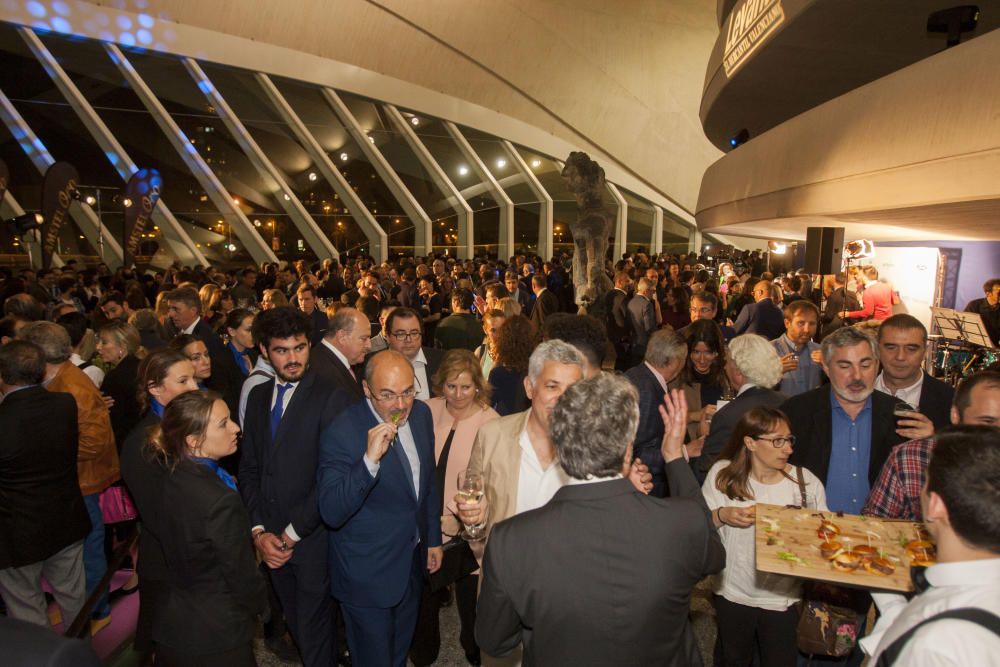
(24, 223)
(777, 247)
(740, 138)
(860, 249)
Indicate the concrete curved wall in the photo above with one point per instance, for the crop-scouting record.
(622, 83)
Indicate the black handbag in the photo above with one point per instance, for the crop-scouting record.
(458, 562)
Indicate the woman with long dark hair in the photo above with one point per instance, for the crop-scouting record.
(214, 590)
(751, 607)
(676, 308)
(702, 378)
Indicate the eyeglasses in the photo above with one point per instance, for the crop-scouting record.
(406, 336)
(780, 441)
(389, 397)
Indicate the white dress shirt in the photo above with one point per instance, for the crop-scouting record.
(190, 328)
(909, 394)
(946, 643)
(93, 371)
(419, 364)
(289, 529)
(536, 486)
(404, 437)
(340, 356)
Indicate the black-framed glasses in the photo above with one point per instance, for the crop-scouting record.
(780, 441)
(405, 336)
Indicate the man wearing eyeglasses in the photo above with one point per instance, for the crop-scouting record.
(376, 492)
(405, 336)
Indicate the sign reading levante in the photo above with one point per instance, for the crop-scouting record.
(57, 195)
(750, 24)
(143, 191)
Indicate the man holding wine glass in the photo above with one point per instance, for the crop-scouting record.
(377, 494)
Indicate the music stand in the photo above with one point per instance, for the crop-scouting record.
(959, 325)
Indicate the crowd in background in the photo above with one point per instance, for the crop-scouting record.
(292, 437)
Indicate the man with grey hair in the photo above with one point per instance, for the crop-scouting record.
(644, 317)
(666, 353)
(344, 345)
(845, 431)
(97, 457)
(753, 367)
(552, 577)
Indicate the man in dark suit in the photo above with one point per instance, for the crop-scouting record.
(405, 291)
(377, 494)
(705, 306)
(902, 344)
(333, 286)
(616, 319)
(644, 318)
(665, 357)
(764, 317)
(552, 577)
(846, 430)
(283, 423)
(317, 318)
(342, 350)
(546, 302)
(516, 293)
(44, 520)
(405, 337)
(752, 368)
(184, 313)
(840, 300)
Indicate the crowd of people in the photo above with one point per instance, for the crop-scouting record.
(335, 451)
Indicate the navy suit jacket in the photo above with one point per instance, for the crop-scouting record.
(375, 521)
(935, 401)
(278, 478)
(649, 436)
(763, 318)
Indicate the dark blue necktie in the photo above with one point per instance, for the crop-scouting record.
(278, 409)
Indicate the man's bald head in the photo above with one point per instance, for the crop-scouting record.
(389, 384)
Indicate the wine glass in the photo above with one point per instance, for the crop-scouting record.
(470, 490)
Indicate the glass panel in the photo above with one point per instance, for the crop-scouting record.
(315, 112)
(60, 130)
(486, 213)
(564, 204)
(677, 235)
(640, 222)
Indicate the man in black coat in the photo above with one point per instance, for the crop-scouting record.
(839, 301)
(764, 317)
(546, 302)
(184, 313)
(665, 357)
(845, 430)
(752, 368)
(616, 320)
(602, 574)
(644, 318)
(283, 422)
(517, 293)
(43, 520)
(317, 318)
(902, 343)
(342, 350)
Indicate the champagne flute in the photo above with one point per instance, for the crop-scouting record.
(470, 490)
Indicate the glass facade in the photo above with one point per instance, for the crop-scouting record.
(254, 190)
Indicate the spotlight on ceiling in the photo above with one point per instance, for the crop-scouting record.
(501, 163)
(535, 164)
(343, 157)
(312, 176)
(415, 121)
(463, 170)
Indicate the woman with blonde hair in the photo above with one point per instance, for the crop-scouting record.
(508, 306)
(460, 407)
(755, 608)
(120, 346)
(209, 295)
(273, 298)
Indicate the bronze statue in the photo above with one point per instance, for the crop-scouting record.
(585, 179)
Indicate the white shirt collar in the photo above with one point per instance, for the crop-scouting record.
(573, 481)
(420, 358)
(190, 328)
(340, 355)
(745, 387)
(657, 375)
(965, 573)
(909, 394)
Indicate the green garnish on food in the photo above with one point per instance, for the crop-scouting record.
(789, 556)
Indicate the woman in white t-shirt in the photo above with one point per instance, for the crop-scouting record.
(750, 606)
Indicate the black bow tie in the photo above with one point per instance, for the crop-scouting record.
(918, 575)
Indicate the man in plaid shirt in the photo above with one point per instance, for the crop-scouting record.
(896, 493)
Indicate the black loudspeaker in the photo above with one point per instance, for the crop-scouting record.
(824, 250)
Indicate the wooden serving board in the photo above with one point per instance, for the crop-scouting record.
(792, 531)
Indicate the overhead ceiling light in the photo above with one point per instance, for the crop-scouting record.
(415, 121)
(535, 164)
(501, 163)
(343, 157)
(371, 138)
(287, 197)
(236, 200)
(312, 176)
(256, 223)
(463, 170)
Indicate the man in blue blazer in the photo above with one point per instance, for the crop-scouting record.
(377, 494)
(763, 317)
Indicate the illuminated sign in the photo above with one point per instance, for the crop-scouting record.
(750, 24)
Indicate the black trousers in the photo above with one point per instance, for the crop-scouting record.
(740, 627)
(304, 591)
(427, 638)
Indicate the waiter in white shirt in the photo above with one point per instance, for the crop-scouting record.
(956, 620)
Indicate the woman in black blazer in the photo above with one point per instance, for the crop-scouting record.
(214, 589)
(119, 345)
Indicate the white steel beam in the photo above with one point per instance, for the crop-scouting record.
(505, 235)
(621, 223)
(286, 197)
(656, 243)
(173, 234)
(255, 245)
(366, 221)
(440, 178)
(421, 221)
(546, 211)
